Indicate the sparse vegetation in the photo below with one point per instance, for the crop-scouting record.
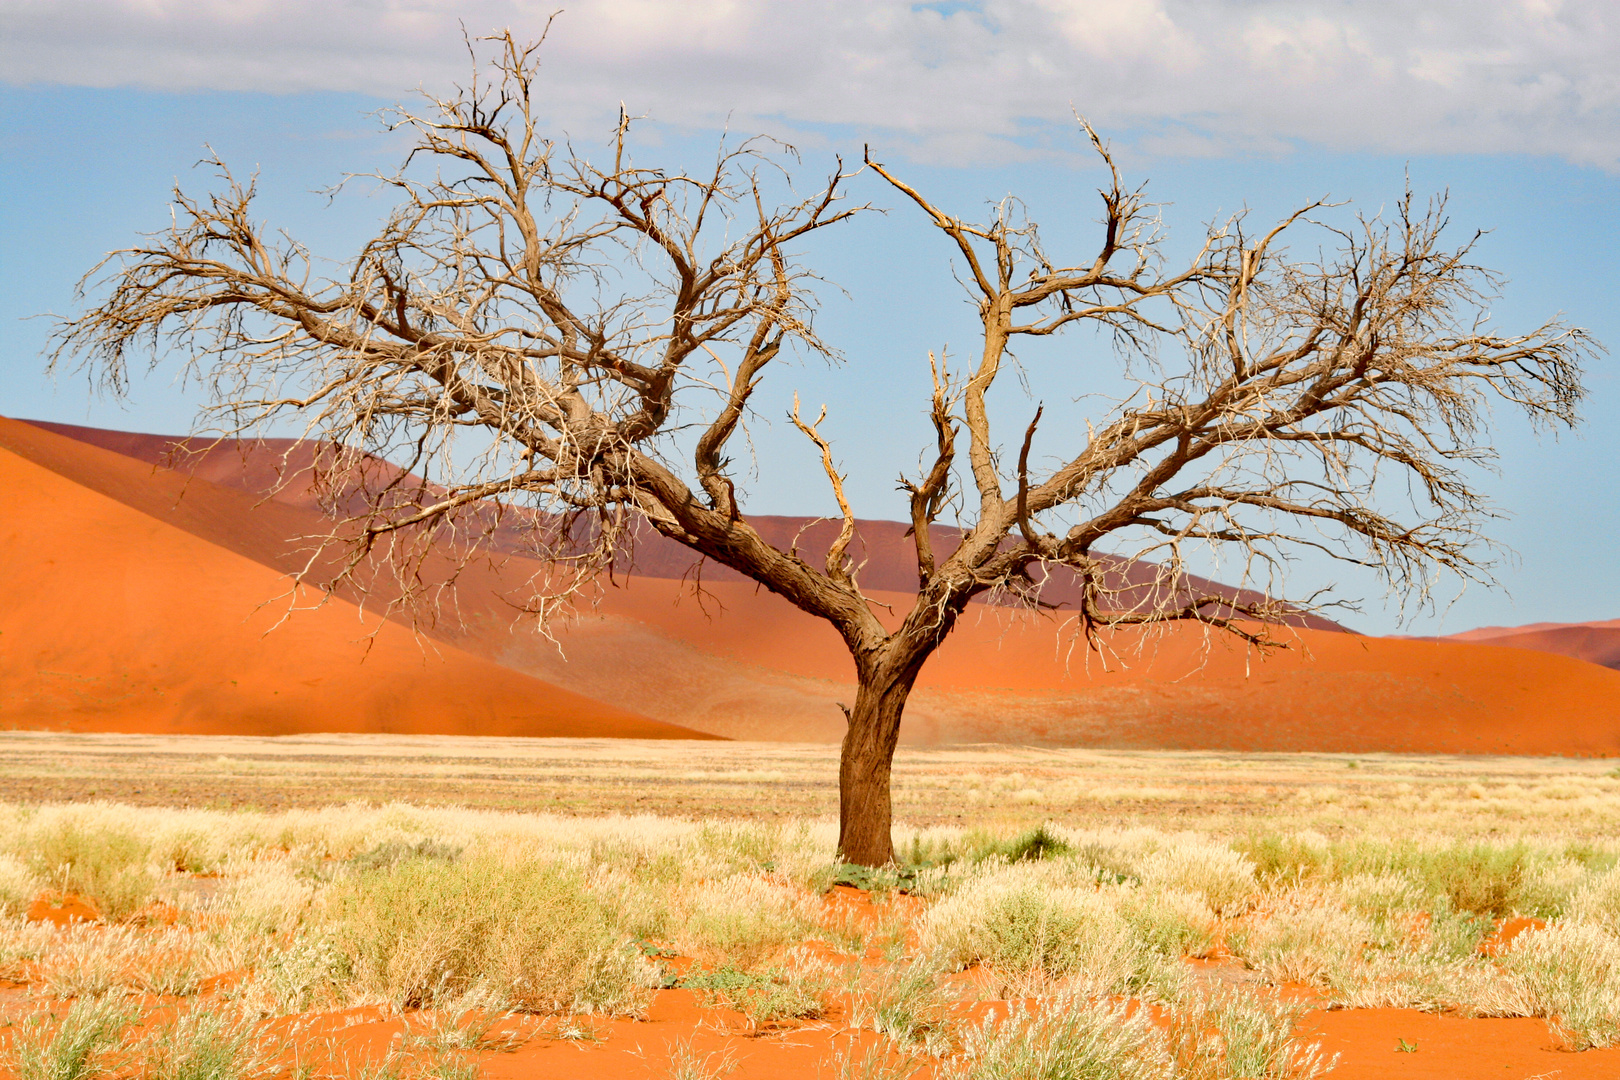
(530, 934)
(453, 920)
(82, 1044)
(795, 991)
(1075, 1039)
(1233, 1036)
(204, 1045)
(1571, 976)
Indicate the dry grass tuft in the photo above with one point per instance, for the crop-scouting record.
(1068, 1038)
(531, 935)
(1571, 974)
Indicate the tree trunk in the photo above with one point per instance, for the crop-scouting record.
(864, 809)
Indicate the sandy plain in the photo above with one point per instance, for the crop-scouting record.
(1217, 792)
(335, 799)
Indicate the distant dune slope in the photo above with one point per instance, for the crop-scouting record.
(114, 620)
(1594, 642)
(743, 663)
(280, 472)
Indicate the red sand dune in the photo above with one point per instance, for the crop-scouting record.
(1005, 676)
(741, 662)
(1594, 642)
(1486, 633)
(115, 620)
(283, 472)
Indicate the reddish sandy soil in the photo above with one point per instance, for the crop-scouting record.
(738, 662)
(115, 620)
(1368, 1042)
(1371, 1044)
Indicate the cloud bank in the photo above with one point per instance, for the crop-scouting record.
(955, 81)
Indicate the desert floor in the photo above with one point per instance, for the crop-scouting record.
(401, 907)
(985, 786)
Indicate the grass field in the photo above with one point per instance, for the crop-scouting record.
(437, 907)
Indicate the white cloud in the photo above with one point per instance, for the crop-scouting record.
(954, 81)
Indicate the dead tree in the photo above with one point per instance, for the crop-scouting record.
(530, 330)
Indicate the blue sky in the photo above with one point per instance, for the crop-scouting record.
(1220, 106)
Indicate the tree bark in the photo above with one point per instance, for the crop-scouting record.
(865, 813)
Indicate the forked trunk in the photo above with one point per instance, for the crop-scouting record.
(864, 809)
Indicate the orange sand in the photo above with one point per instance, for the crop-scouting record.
(1596, 642)
(741, 662)
(114, 620)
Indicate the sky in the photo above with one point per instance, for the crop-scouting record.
(1513, 108)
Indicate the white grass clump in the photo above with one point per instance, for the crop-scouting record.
(530, 935)
(1068, 1038)
(1380, 895)
(267, 895)
(1571, 974)
(1598, 902)
(1306, 935)
(1017, 920)
(81, 1046)
(1224, 878)
(21, 944)
(741, 919)
(18, 885)
(88, 961)
(1230, 1035)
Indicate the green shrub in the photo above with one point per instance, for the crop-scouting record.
(1172, 923)
(1482, 878)
(1285, 858)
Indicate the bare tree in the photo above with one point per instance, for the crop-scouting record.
(594, 338)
